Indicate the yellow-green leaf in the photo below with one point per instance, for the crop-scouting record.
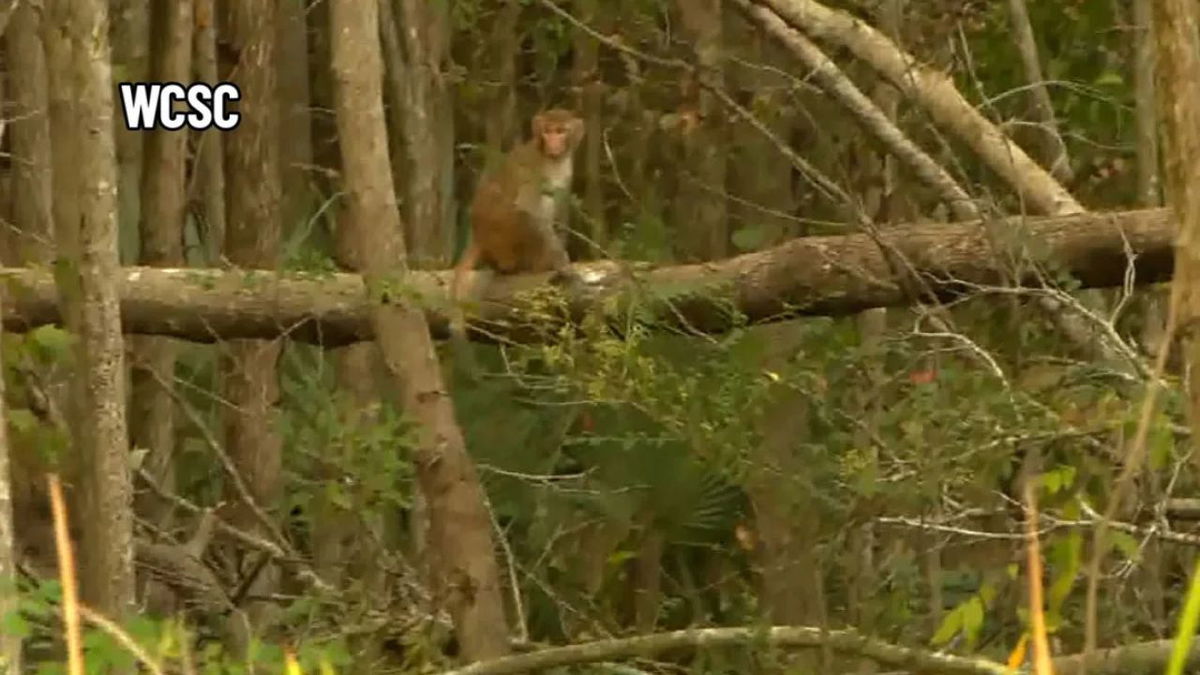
(951, 624)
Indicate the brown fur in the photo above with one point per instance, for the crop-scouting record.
(511, 217)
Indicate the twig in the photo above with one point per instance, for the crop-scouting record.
(282, 554)
(226, 461)
(66, 572)
(114, 631)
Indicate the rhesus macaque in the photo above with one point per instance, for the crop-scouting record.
(520, 205)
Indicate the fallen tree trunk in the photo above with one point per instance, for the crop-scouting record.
(834, 275)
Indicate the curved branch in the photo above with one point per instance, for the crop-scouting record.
(936, 93)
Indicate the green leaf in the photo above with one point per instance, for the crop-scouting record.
(1125, 543)
(1188, 620)
(1110, 78)
(1051, 481)
(973, 619)
(987, 593)
(16, 625)
(750, 237)
(51, 341)
(951, 624)
(21, 419)
(1160, 443)
(1067, 553)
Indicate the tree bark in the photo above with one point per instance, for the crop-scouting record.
(252, 240)
(460, 535)
(7, 7)
(295, 142)
(87, 231)
(1178, 93)
(588, 79)
(130, 58)
(500, 59)
(700, 204)
(10, 644)
(426, 106)
(785, 511)
(164, 209)
(1154, 322)
(1053, 149)
(827, 276)
(209, 158)
(30, 134)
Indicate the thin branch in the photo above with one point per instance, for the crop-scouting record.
(776, 636)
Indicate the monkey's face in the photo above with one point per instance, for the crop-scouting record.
(556, 140)
(556, 133)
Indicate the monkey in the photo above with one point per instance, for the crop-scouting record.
(519, 206)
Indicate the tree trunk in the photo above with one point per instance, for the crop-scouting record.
(785, 512)
(500, 54)
(1052, 148)
(295, 143)
(29, 131)
(10, 643)
(1179, 109)
(425, 38)
(593, 231)
(460, 528)
(130, 57)
(209, 159)
(700, 201)
(78, 58)
(252, 241)
(647, 575)
(164, 209)
(1155, 321)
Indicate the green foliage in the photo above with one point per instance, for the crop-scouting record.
(1189, 619)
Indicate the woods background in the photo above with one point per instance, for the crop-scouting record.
(869, 346)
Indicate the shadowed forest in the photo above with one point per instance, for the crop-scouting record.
(874, 351)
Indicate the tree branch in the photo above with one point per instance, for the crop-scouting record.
(1143, 658)
(774, 636)
(833, 275)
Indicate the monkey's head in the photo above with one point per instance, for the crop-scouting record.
(557, 132)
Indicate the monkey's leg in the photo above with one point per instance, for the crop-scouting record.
(553, 254)
(462, 357)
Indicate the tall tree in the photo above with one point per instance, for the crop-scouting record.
(130, 33)
(10, 641)
(295, 143)
(86, 168)
(29, 132)
(1178, 88)
(252, 238)
(591, 94)
(700, 204)
(460, 536)
(209, 157)
(164, 204)
(428, 132)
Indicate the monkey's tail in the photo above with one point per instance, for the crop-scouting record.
(462, 352)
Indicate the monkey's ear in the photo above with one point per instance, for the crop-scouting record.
(576, 128)
(536, 124)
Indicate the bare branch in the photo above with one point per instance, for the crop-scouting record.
(831, 276)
